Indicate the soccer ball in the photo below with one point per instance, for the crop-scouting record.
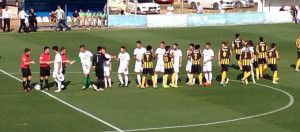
(37, 87)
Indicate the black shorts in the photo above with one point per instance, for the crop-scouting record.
(237, 56)
(26, 72)
(298, 53)
(224, 68)
(273, 67)
(45, 71)
(246, 68)
(255, 64)
(169, 71)
(148, 71)
(63, 70)
(262, 61)
(196, 69)
(99, 72)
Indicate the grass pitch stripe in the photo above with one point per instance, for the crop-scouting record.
(73, 107)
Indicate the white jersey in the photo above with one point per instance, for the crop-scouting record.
(57, 60)
(106, 64)
(138, 52)
(177, 54)
(207, 54)
(251, 49)
(160, 54)
(85, 57)
(124, 58)
(189, 60)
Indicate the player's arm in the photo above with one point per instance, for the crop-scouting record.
(277, 55)
(219, 57)
(142, 59)
(180, 61)
(45, 62)
(232, 47)
(153, 54)
(94, 61)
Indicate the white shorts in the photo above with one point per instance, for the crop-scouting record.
(207, 68)
(138, 67)
(106, 71)
(56, 76)
(188, 67)
(160, 68)
(86, 69)
(122, 70)
(176, 69)
(74, 19)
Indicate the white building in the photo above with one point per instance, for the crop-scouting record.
(274, 5)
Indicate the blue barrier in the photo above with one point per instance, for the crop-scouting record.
(127, 21)
(206, 20)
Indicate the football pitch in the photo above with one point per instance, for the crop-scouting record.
(261, 107)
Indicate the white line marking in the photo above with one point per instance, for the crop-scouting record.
(75, 108)
(226, 121)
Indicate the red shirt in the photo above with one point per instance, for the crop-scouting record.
(24, 59)
(63, 58)
(44, 57)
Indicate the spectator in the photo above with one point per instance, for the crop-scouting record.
(95, 18)
(123, 6)
(170, 9)
(121, 12)
(6, 14)
(294, 13)
(102, 18)
(282, 8)
(88, 19)
(52, 16)
(127, 12)
(22, 16)
(60, 17)
(221, 7)
(81, 17)
(199, 8)
(32, 20)
(75, 16)
(0, 18)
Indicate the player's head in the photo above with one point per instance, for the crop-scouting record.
(197, 47)
(88, 10)
(162, 44)
(138, 44)
(122, 49)
(76, 11)
(62, 50)
(82, 48)
(46, 49)
(223, 44)
(273, 45)
(80, 10)
(250, 42)
(207, 45)
(175, 46)
(237, 35)
(99, 48)
(247, 45)
(58, 7)
(55, 49)
(103, 50)
(191, 46)
(27, 51)
(261, 39)
(149, 48)
(167, 48)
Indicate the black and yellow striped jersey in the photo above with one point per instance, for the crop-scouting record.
(147, 59)
(298, 42)
(262, 49)
(238, 44)
(168, 63)
(196, 57)
(255, 54)
(246, 57)
(225, 54)
(272, 56)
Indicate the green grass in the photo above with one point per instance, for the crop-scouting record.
(134, 108)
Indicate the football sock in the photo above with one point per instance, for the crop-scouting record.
(121, 79)
(63, 82)
(28, 83)
(46, 83)
(265, 69)
(153, 80)
(261, 69)
(191, 79)
(173, 79)
(109, 82)
(239, 64)
(257, 73)
(84, 81)
(89, 81)
(209, 77)
(143, 81)
(126, 80)
(155, 75)
(176, 78)
(246, 75)
(223, 77)
(105, 82)
(274, 76)
(138, 78)
(194, 80)
(58, 84)
(165, 79)
(41, 82)
(206, 77)
(24, 84)
(200, 78)
(297, 64)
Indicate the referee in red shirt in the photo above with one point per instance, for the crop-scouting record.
(26, 73)
(45, 67)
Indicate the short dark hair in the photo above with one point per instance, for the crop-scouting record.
(197, 46)
(207, 43)
(261, 39)
(104, 48)
(251, 43)
(46, 47)
(149, 48)
(224, 43)
(62, 48)
(176, 44)
(162, 42)
(167, 48)
(26, 50)
(81, 46)
(237, 35)
(55, 48)
(139, 42)
(191, 44)
(99, 48)
(273, 45)
(123, 47)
